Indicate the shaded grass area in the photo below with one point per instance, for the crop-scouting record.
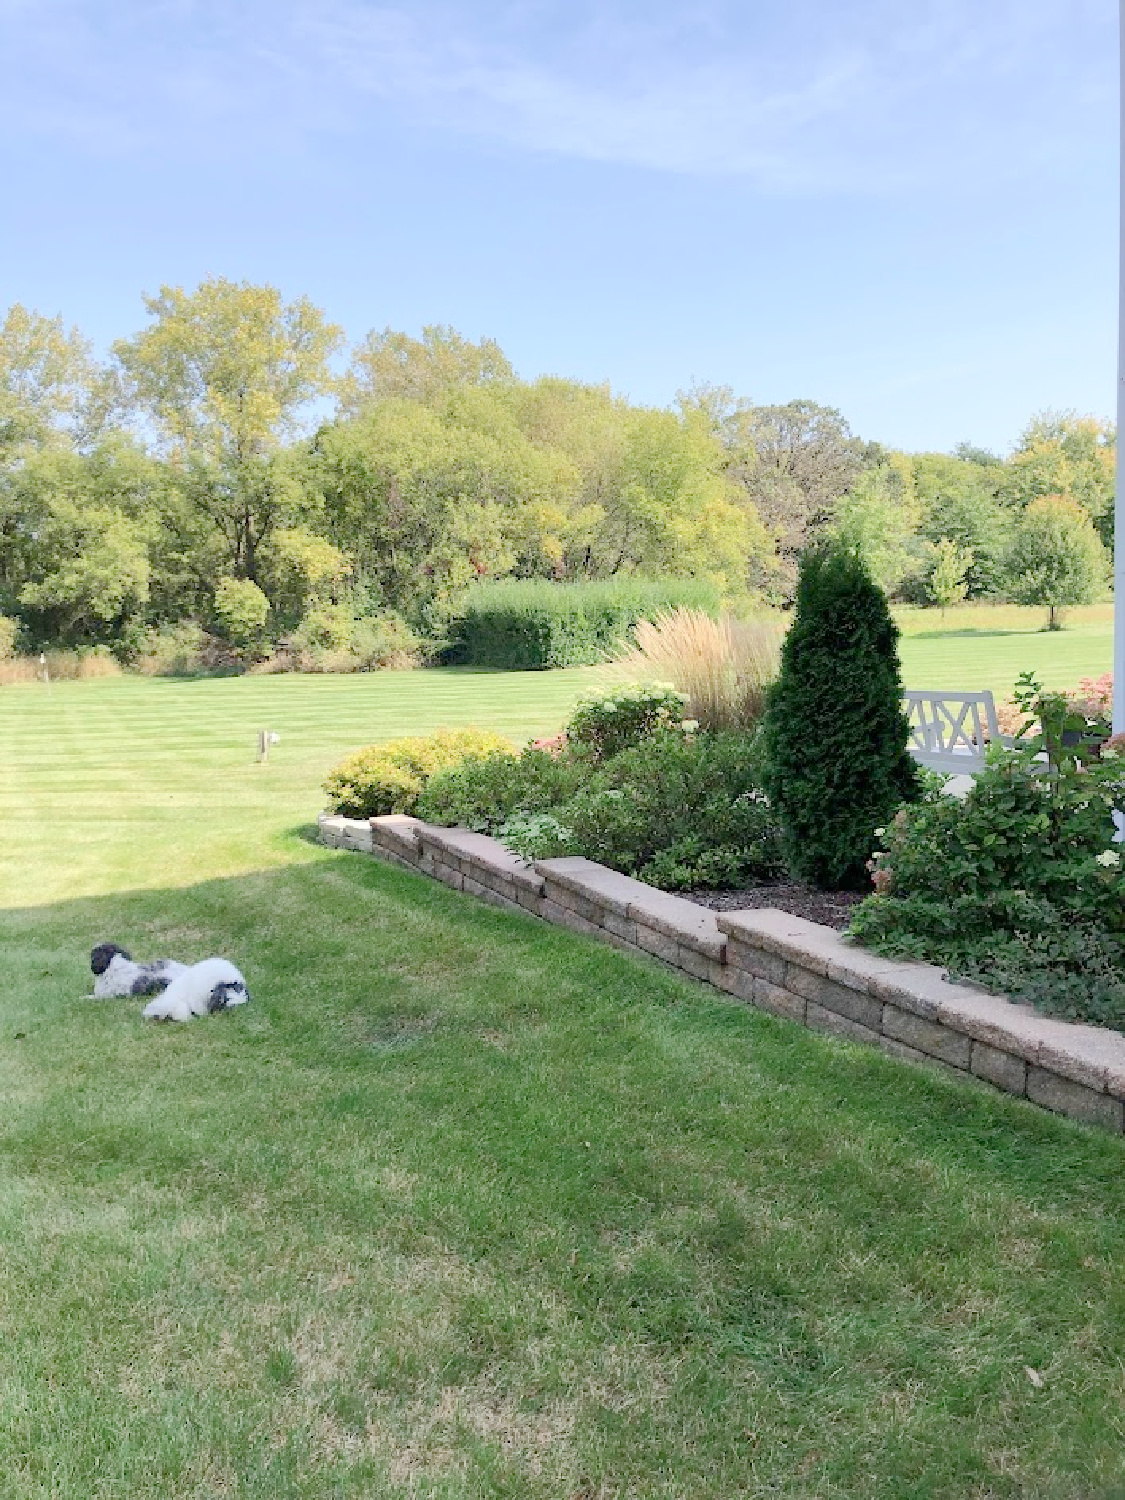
(462, 1205)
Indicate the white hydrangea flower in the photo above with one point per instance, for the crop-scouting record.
(1109, 859)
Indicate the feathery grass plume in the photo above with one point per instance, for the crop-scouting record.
(723, 666)
(59, 666)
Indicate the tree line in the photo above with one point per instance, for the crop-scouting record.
(226, 466)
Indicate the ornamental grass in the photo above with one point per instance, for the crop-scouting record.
(723, 666)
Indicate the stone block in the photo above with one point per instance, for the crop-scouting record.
(573, 901)
(659, 944)
(476, 853)
(398, 834)
(682, 921)
(780, 932)
(331, 829)
(757, 961)
(562, 916)
(1084, 1054)
(621, 927)
(994, 1020)
(919, 1059)
(357, 835)
(490, 897)
(930, 1037)
(1001, 1068)
(529, 901)
(826, 993)
(820, 1019)
(448, 875)
(697, 964)
(778, 1001)
(1074, 1099)
(738, 982)
(918, 988)
(604, 888)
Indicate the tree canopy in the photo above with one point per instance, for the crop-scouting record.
(231, 442)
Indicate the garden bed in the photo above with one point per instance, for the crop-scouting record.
(830, 908)
(780, 963)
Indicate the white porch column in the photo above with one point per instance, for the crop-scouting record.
(1119, 501)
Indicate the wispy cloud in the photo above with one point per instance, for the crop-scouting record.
(796, 97)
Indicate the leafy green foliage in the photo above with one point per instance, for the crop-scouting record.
(678, 810)
(1057, 558)
(484, 792)
(242, 611)
(535, 624)
(835, 736)
(949, 577)
(1019, 886)
(389, 778)
(603, 726)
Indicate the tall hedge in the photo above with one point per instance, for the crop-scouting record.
(835, 734)
(533, 624)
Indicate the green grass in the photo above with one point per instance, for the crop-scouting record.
(978, 646)
(466, 1206)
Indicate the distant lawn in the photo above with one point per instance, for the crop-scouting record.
(465, 1206)
(980, 646)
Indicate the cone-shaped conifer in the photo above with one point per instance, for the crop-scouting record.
(835, 733)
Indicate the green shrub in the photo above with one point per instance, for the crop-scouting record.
(483, 792)
(677, 810)
(241, 610)
(603, 726)
(1019, 886)
(331, 638)
(534, 624)
(181, 649)
(9, 634)
(389, 778)
(835, 735)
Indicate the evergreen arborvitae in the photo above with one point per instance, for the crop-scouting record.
(835, 734)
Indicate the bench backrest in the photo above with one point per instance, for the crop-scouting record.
(948, 731)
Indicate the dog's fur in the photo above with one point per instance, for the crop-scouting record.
(116, 974)
(214, 984)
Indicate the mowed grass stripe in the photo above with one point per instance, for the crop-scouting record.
(466, 1206)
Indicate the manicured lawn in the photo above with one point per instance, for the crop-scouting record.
(464, 1206)
(987, 646)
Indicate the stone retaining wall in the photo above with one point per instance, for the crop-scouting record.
(783, 964)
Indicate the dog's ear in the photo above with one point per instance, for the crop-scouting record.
(103, 955)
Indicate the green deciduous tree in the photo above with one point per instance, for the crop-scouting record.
(49, 382)
(1057, 558)
(226, 374)
(242, 611)
(959, 499)
(879, 518)
(834, 732)
(948, 581)
(1062, 453)
(390, 365)
(794, 462)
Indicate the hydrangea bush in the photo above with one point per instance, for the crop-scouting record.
(1021, 886)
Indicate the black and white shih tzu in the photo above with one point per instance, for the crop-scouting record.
(181, 990)
(117, 974)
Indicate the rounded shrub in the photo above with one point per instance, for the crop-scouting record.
(834, 733)
(390, 778)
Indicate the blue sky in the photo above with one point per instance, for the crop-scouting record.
(905, 211)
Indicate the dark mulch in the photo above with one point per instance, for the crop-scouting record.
(829, 908)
